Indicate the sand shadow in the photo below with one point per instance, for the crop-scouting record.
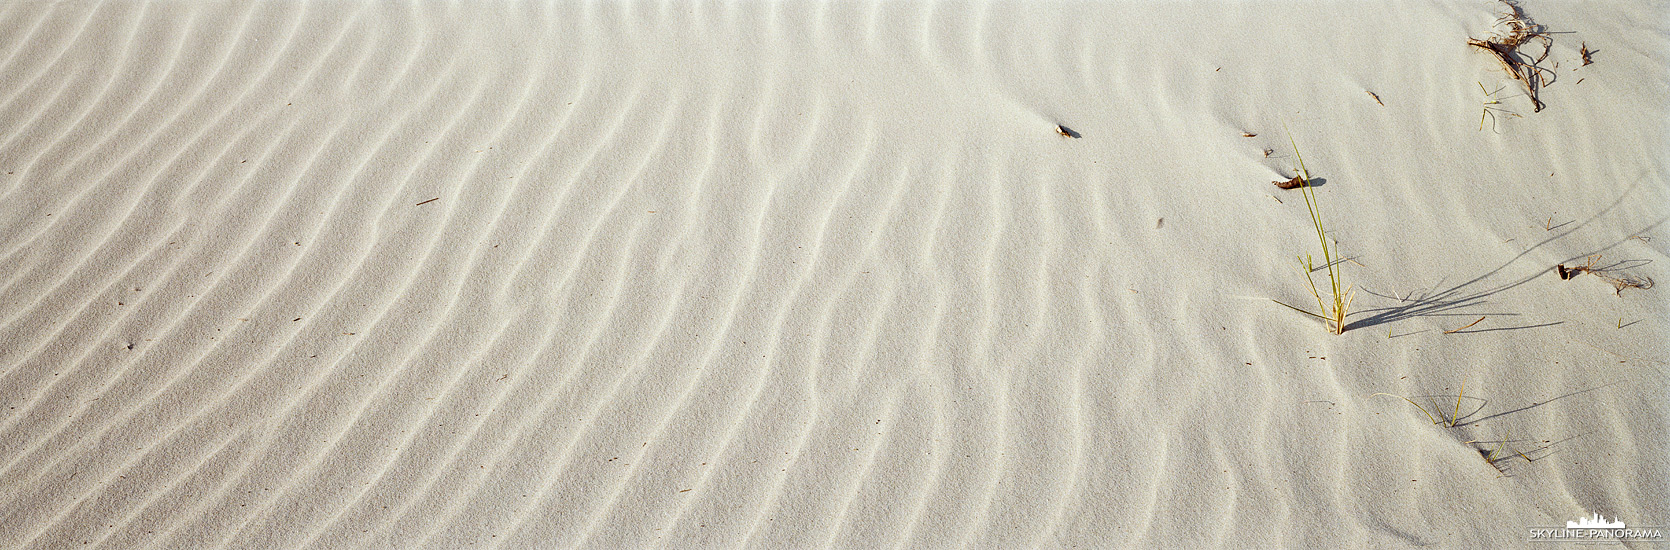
(1462, 299)
(1467, 421)
(1467, 414)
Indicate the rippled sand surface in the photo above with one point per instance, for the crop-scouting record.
(800, 274)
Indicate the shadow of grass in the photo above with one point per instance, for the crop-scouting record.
(1463, 298)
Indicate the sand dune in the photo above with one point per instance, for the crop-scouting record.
(421, 275)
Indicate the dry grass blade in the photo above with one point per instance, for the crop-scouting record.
(1411, 402)
(1490, 107)
(1456, 416)
(1468, 326)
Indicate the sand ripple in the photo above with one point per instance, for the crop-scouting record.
(283, 275)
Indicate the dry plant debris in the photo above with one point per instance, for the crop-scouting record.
(1514, 30)
(1294, 183)
(1586, 52)
(1467, 326)
(1619, 281)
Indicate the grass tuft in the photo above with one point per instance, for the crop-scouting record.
(1503, 451)
(1436, 415)
(1332, 315)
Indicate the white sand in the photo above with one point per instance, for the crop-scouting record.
(800, 275)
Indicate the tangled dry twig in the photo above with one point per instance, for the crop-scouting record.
(1515, 29)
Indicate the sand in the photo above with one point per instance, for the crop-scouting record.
(795, 274)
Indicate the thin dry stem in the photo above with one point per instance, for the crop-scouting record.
(1467, 326)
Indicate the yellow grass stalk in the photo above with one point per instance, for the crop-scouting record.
(1332, 315)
